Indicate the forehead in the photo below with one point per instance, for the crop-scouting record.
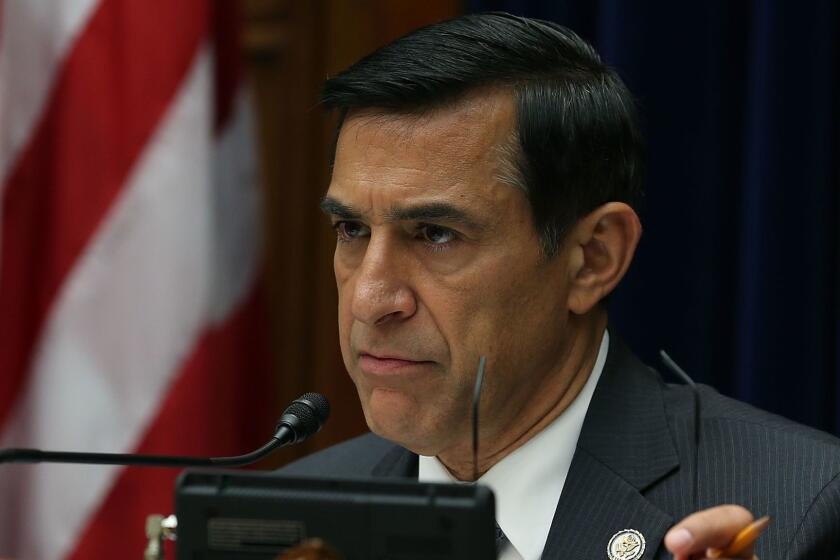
(455, 149)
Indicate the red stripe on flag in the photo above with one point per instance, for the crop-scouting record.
(109, 96)
(222, 403)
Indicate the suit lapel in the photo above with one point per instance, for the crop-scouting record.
(625, 446)
(397, 462)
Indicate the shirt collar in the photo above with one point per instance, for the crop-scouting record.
(528, 482)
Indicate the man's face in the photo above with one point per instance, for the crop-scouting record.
(438, 263)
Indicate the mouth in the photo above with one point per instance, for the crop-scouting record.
(390, 365)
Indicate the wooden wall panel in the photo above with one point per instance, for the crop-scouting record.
(290, 47)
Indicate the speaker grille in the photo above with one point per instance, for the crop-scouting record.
(241, 535)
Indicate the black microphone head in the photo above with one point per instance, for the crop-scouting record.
(319, 404)
(305, 416)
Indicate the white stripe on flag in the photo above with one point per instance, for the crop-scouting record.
(36, 37)
(237, 229)
(142, 293)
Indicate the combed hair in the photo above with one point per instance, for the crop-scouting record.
(576, 144)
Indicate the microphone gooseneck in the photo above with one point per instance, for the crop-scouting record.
(303, 418)
(672, 365)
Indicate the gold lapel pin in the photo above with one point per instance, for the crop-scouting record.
(627, 544)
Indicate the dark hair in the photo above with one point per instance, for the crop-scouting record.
(579, 144)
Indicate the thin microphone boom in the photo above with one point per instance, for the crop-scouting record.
(303, 418)
(672, 365)
(14, 455)
(479, 383)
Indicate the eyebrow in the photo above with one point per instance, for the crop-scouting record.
(431, 211)
(332, 207)
(421, 212)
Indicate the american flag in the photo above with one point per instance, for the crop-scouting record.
(130, 310)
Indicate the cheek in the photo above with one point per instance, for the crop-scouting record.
(473, 321)
(529, 339)
(512, 322)
(345, 316)
(342, 273)
(344, 288)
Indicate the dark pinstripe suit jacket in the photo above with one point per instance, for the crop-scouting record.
(634, 468)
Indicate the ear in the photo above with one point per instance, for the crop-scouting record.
(603, 244)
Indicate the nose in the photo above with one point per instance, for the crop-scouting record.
(382, 292)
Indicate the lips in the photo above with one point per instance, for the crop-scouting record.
(390, 364)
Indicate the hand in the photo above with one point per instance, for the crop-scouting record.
(715, 527)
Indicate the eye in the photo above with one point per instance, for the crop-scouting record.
(349, 231)
(437, 235)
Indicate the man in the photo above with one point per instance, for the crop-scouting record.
(485, 180)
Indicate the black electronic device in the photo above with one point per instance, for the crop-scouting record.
(224, 515)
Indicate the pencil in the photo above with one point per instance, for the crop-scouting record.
(742, 540)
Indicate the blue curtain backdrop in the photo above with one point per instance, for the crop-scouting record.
(738, 273)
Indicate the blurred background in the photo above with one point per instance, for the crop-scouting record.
(166, 276)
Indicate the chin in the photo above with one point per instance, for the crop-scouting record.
(397, 417)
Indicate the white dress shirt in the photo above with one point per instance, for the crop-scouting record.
(528, 482)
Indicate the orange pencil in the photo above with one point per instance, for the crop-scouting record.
(742, 540)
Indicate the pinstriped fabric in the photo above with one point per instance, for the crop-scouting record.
(634, 468)
(823, 518)
(761, 461)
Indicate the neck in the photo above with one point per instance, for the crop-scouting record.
(545, 406)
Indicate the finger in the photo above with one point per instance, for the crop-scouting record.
(710, 528)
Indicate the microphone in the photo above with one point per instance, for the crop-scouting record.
(672, 365)
(303, 418)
